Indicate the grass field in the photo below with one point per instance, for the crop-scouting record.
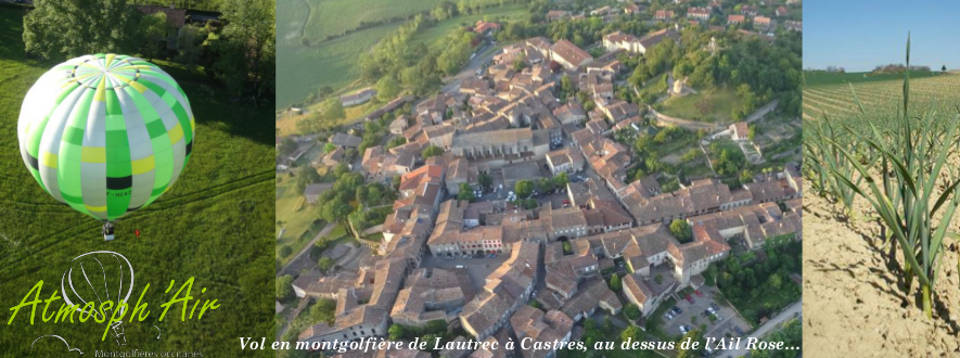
(820, 78)
(287, 122)
(214, 224)
(328, 17)
(298, 218)
(332, 63)
(837, 100)
(708, 106)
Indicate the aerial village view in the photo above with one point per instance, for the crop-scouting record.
(538, 171)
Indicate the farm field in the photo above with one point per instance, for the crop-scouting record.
(848, 279)
(333, 62)
(330, 63)
(333, 17)
(214, 224)
(837, 100)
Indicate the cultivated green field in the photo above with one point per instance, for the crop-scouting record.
(333, 63)
(215, 224)
(837, 100)
(308, 62)
(330, 17)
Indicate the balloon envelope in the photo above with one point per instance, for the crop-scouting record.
(105, 134)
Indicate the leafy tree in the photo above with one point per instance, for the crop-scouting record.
(395, 182)
(332, 109)
(695, 335)
(566, 87)
(153, 28)
(519, 64)
(631, 311)
(544, 185)
(632, 332)
(431, 151)
(561, 180)
(322, 311)
(286, 250)
(190, 40)
(485, 180)
(340, 169)
(466, 193)
(615, 283)
(63, 29)
(335, 210)
(325, 263)
(523, 188)
(246, 47)
(591, 334)
(387, 88)
(329, 147)
(690, 155)
(529, 204)
(284, 288)
(681, 230)
(306, 176)
(396, 141)
(791, 335)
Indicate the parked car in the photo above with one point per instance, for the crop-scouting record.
(668, 316)
(699, 294)
(676, 310)
(688, 298)
(684, 329)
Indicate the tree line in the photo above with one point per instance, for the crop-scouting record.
(237, 50)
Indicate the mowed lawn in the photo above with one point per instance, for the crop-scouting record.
(708, 106)
(215, 224)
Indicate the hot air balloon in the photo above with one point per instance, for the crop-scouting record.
(106, 134)
(97, 277)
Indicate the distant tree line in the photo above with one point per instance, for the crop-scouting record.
(238, 50)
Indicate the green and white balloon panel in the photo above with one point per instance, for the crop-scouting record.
(106, 134)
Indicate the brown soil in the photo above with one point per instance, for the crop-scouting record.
(852, 304)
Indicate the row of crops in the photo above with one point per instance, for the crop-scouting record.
(894, 145)
(838, 100)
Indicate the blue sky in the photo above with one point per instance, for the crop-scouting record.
(858, 35)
